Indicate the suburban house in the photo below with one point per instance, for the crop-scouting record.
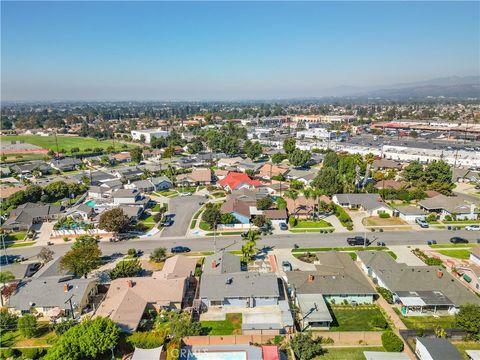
(27, 168)
(235, 181)
(221, 262)
(371, 203)
(276, 216)
(127, 196)
(418, 289)
(456, 207)
(465, 175)
(7, 191)
(151, 184)
(198, 176)
(48, 295)
(21, 270)
(127, 299)
(177, 266)
(122, 157)
(303, 208)
(249, 165)
(81, 212)
(95, 177)
(436, 349)
(305, 176)
(390, 184)
(336, 280)
(220, 174)
(98, 192)
(227, 162)
(269, 169)
(385, 164)
(25, 215)
(66, 164)
(410, 213)
(242, 204)
(239, 289)
(128, 173)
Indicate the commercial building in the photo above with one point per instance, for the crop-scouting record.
(149, 134)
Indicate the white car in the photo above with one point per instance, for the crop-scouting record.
(186, 194)
(472, 227)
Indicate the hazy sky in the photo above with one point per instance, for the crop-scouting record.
(229, 50)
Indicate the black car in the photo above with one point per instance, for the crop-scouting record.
(179, 249)
(357, 240)
(458, 240)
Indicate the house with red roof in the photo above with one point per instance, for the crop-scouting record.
(236, 181)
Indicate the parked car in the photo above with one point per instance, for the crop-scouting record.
(472, 227)
(422, 223)
(458, 240)
(283, 226)
(286, 266)
(179, 249)
(380, 243)
(431, 242)
(358, 240)
(186, 194)
(167, 222)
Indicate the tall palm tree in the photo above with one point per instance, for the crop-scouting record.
(293, 195)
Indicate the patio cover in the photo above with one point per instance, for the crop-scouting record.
(147, 354)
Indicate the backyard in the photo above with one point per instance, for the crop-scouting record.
(427, 322)
(353, 353)
(14, 338)
(232, 325)
(360, 318)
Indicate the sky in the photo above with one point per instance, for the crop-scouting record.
(229, 50)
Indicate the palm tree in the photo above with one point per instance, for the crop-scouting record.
(293, 195)
(5, 276)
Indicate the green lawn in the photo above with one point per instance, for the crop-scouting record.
(457, 253)
(204, 226)
(19, 244)
(461, 222)
(232, 325)
(447, 246)
(148, 226)
(64, 142)
(353, 353)
(148, 218)
(312, 224)
(466, 346)
(165, 192)
(16, 236)
(428, 322)
(187, 189)
(156, 207)
(23, 157)
(225, 233)
(305, 230)
(14, 338)
(349, 318)
(392, 254)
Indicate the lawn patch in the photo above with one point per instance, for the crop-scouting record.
(447, 246)
(457, 253)
(427, 322)
(349, 318)
(353, 353)
(14, 338)
(232, 325)
(15, 236)
(307, 224)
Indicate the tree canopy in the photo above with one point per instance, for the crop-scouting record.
(114, 220)
(125, 268)
(82, 259)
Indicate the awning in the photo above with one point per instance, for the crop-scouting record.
(55, 312)
(412, 301)
(467, 278)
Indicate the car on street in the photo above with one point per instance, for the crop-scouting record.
(472, 227)
(167, 222)
(179, 249)
(283, 226)
(431, 242)
(286, 266)
(422, 223)
(458, 240)
(358, 240)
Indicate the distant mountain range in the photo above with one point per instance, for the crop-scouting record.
(454, 86)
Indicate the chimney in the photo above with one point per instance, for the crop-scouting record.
(65, 287)
(130, 283)
(311, 278)
(439, 274)
(214, 264)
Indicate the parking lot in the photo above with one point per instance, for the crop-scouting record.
(182, 208)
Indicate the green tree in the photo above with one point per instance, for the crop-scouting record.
(211, 215)
(84, 240)
(8, 321)
(61, 327)
(264, 203)
(136, 154)
(293, 195)
(305, 347)
(468, 319)
(181, 326)
(328, 181)
(195, 146)
(146, 340)
(114, 220)
(438, 176)
(289, 145)
(56, 190)
(391, 342)
(228, 219)
(125, 268)
(299, 158)
(331, 160)
(277, 158)
(45, 255)
(27, 325)
(252, 149)
(88, 340)
(413, 172)
(259, 221)
(81, 260)
(158, 254)
(5, 276)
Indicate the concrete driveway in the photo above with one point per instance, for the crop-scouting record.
(405, 255)
(182, 208)
(357, 217)
(286, 255)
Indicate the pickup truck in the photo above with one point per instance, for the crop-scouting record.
(357, 240)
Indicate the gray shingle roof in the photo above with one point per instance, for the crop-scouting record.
(440, 349)
(224, 263)
(367, 201)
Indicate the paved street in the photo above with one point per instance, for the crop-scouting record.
(182, 208)
(274, 241)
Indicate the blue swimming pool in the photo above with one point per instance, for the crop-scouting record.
(90, 203)
(218, 355)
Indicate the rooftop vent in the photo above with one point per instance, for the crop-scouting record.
(229, 280)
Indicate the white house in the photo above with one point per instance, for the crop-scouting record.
(149, 134)
(410, 213)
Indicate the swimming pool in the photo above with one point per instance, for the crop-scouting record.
(90, 203)
(218, 355)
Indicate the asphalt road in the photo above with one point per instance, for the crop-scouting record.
(183, 208)
(286, 240)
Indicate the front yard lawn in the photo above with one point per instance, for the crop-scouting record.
(353, 353)
(350, 248)
(312, 224)
(457, 253)
(205, 226)
(14, 338)
(377, 221)
(232, 325)
(187, 189)
(165, 192)
(428, 322)
(148, 218)
(15, 236)
(360, 318)
(447, 246)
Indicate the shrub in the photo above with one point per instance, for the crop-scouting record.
(63, 326)
(8, 321)
(391, 342)
(305, 347)
(448, 218)
(386, 294)
(157, 217)
(8, 353)
(384, 215)
(432, 218)
(146, 340)
(27, 325)
(32, 353)
(132, 252)
(292, 221)
(379, 322)
(158, 254)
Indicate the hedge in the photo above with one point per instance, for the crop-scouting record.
(391, 342)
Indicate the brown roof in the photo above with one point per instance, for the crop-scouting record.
(125, 305)
(303, 206)
(221, 172)
(6, 191)
(432, 193)
(275, 214)
(390, 184)
(239, 206)
(268, 170)
(201, 175)
(177, 266)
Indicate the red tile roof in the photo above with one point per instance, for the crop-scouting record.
(234, 179)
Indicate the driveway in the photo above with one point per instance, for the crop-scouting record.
(357, 217)
(182, 209)
(43, 232)
(405, 255)
(286, 255)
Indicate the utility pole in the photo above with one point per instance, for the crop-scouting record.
(56, 142)
(69, 300)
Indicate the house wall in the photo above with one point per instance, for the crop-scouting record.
(360, 299)
(466, 216)
(411, 218)
(385, 209)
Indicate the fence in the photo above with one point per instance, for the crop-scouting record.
(227, 340)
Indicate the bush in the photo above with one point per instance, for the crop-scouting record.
(391, 342)
(386, 294)
(8, 353)
(384, 215)
(432, 218)
(27, 325)
(8, 321)
(305, 347)
(32, 353)
(448, 218)
(146, 340)
(157, 217)
(379, 323)
(132, 252)
(158, 254)
(292, 221)
(63, 326)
